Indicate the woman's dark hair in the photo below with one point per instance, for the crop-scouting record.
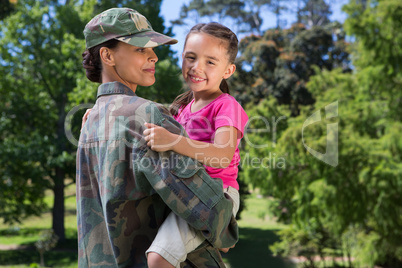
(219, 31)
(92, 62)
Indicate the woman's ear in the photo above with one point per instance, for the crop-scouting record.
(107, 56)
(229, 71)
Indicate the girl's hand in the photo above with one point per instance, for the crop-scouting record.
(85, 117)
(159, 139)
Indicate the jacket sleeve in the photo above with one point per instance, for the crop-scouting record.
(186, 188)
(204, 256)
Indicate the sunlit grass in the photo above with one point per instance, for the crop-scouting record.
(29, 230)
(256, 214)
(257, 232)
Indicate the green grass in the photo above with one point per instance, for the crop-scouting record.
(27, 233)
(257, 232)
(55, 258)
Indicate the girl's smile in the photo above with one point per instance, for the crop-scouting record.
(196, 79)
(205, 64)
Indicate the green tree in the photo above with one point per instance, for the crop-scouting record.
(352, 202)
(315, 13)
(40, 56)
(245, 16)
(42, 80)
(377, 27)
(278, 7)
(279, 63)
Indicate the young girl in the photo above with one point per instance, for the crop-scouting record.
(214, 122)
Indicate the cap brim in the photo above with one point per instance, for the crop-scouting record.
(147, 39)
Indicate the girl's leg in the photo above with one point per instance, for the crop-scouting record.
(175, 238)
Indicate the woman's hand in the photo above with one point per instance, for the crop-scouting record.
(159, 139)
(85, 117)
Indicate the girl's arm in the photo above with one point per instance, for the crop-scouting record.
(218, 154)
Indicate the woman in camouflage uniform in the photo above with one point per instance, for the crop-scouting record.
(124, 189)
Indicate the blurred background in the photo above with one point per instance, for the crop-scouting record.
(321, 169)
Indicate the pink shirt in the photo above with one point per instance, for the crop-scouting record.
(202, 125)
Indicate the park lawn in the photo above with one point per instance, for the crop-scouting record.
(28, 232)
(257, 232)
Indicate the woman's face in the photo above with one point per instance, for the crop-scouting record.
(134, 65)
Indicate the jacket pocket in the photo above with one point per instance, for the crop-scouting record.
(197, 180)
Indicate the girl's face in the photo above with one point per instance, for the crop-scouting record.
(205, 63)
(134, 65)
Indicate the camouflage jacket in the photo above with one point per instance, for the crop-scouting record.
(125, 190)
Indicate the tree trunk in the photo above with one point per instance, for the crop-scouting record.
(42, 259)
(58, 205)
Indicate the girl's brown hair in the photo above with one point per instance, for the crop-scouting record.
(219, 31)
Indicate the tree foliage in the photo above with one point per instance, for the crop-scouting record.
(354, 204)
(377, 28)
(41, 44)
(314, 13)
(39, 57)
(280, 63)
(246, 14)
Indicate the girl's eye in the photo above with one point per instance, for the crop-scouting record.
(210, 62)
(141, 50)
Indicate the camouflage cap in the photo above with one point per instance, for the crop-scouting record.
(126, 25)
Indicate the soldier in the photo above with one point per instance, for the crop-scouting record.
(124, 189)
